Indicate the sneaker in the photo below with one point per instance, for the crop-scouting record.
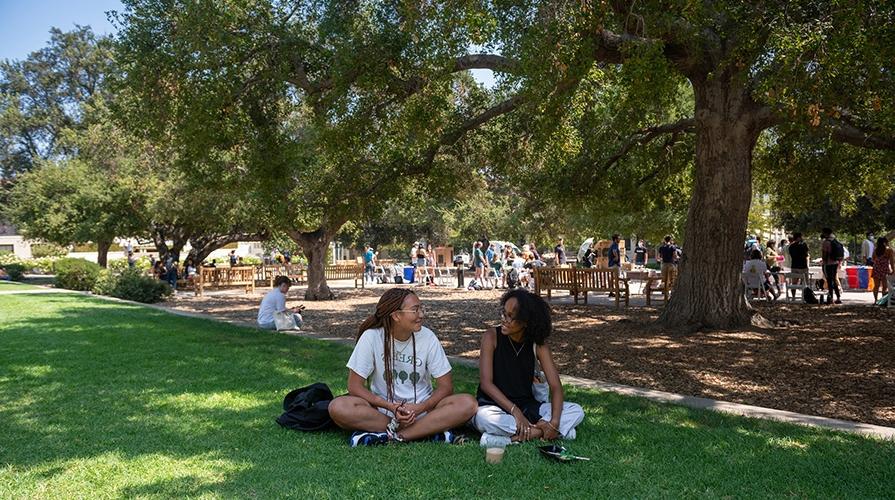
(494, 441)
(361, 438)
(448, 437)
(838, 301)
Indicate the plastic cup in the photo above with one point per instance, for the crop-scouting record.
(494, 455)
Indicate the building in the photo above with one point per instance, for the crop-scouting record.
(11, 241)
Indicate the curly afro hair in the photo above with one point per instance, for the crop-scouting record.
(533, 311)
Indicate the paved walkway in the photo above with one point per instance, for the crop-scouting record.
(870, 430)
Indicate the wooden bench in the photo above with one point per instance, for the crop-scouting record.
(581, 281)
(346, 272)
(223, 277)
(656, 285)
(296, 272)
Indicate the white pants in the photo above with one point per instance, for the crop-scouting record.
(493, 420)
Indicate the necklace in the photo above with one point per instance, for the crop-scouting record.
(513, 345)
(400, 351)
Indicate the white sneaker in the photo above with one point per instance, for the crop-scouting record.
(494, 441)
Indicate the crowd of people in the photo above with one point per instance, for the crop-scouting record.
(765, 264)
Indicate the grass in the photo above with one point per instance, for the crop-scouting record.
(14, 285)
(100, 399)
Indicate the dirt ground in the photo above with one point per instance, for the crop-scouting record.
(835, 362)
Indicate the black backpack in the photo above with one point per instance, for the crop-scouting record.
(837, 251)
(808, 295)
(307, 409)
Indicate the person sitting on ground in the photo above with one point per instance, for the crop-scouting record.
(883, 266)
(399, 357)
(4, 276)
(158, 270)
(274, 302)
(508, 409)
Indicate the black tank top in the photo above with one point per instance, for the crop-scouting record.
(512, 370)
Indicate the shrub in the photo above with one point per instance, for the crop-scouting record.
(76, 274)
(15, 271)
(251, 260)
(131, 284)
(120, 265)
(39, 250)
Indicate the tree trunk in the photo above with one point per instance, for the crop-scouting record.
(202, 246)
(102, 253)
(160, 236)
(708, 292)
(314, 245)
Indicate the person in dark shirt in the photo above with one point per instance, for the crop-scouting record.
(615, 257)
(640, 254)
(589, 256)
(559, 253)
(798, 254)
(668, 254)
(509, 409)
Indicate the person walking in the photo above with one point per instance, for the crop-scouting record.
(370, 265)
(832, 253)
(883, 266)
(798, 258)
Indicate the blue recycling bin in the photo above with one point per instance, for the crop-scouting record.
(408, 274)
(863, 277)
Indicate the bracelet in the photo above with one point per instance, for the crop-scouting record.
(511, 409)
(551, 426)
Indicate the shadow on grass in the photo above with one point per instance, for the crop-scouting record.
(192, 402)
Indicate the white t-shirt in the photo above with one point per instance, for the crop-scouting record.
(755, 270)
(273, 301)
(368, 361)
(867, 249)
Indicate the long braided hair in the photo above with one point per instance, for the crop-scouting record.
(391, 301)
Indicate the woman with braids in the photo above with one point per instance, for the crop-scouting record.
(508, 410)
(398, 356)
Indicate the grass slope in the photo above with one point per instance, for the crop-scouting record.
(11, 286)
(99, 399)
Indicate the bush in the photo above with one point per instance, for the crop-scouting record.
(15, 271)
(251, 260)
(131, 284)
(39, 250)
(120, 265)
(76, 274)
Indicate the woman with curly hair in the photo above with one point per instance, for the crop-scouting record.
(508, 408)
(398, 357)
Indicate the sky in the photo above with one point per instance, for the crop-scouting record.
(25, 25)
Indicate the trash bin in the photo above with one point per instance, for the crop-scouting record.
(852, 273)
(863, 277)
(408, 274)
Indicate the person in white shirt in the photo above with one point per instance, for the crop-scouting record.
(397, 357)
(275, 301)
(867, 250)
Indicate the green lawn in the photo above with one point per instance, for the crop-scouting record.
(14, 285)
(99, 399)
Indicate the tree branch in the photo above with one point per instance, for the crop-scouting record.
(842, 131)
(493, 62)
(648, 134)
